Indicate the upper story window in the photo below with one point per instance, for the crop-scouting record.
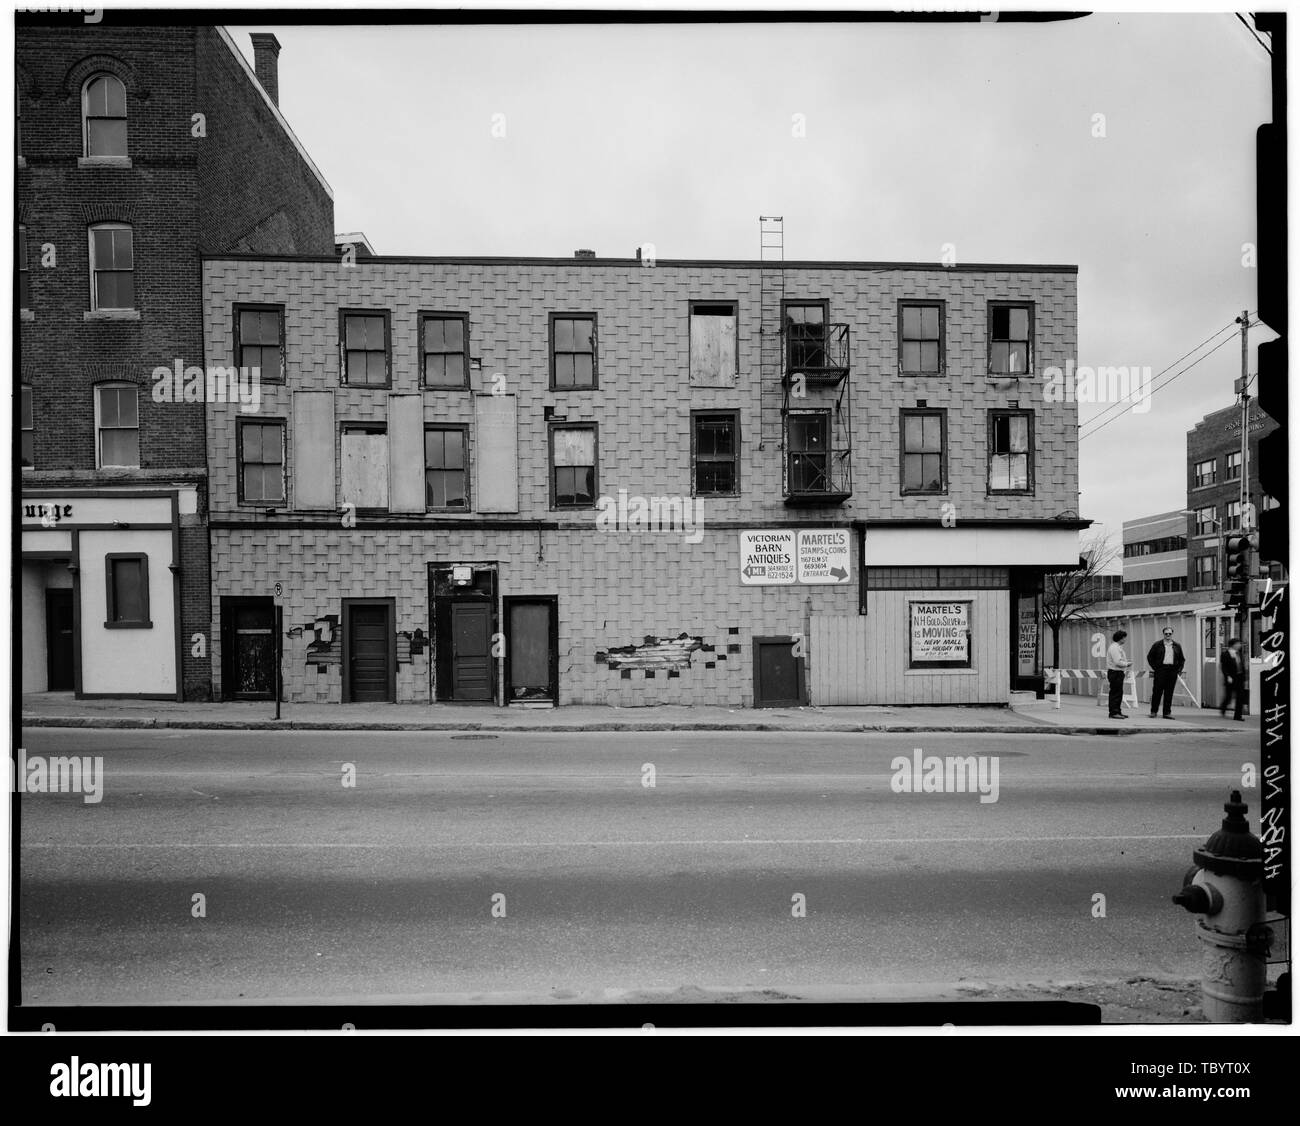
(920, 337)
(715, 453)
(103, 112)
(112, 266)
(18, 122)
(446, 479)
(1011, 452)
(1234, 516)
(805, 331)
(573, 351)
(573, 466)
(363, 471)
(444, 349)
(1232, 466)
(24, 271)
(1205, 472)
(923, 442)
(365, 349)
(1206, 570)
(259, 340)
(715, 361)
(1011, 335)
(28, 428)
(1206, 519)
(117, 425)
(261, 462)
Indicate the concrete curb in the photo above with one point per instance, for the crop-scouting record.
(1027, 728)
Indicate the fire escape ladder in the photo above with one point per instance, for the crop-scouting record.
(772, 392)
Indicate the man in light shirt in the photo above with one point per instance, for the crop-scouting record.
(1117, 665)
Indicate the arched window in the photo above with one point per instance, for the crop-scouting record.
(103, 109)
(112, 266)
(117, 425)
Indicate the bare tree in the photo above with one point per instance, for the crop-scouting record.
(1069, 594)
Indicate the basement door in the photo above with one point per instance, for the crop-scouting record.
(532, 649)
(779, 680)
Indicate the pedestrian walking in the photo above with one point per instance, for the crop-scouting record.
(1166, 661)
(1233, 668)
(1117, 666)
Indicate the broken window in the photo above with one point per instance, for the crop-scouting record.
(364, 463)
(714, 357)
(1010, 436)
(715, 449)
(808, 434)
(573, 466)
(805, 332)
(1010, 339)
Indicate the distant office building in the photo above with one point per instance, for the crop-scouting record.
(1155, 559)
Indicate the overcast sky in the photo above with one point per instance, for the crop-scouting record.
(977, 135)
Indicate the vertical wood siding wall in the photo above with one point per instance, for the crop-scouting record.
(862, 659)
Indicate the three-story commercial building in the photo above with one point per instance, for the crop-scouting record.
(628, 482)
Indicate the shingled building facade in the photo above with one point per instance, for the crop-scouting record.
(622, 481)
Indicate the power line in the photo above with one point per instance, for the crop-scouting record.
(1121, 406)
(1206, 356)
(1252, 32)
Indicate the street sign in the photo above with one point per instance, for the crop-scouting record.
(767, 558)
(823, 555)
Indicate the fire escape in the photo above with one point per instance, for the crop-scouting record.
(808, 359)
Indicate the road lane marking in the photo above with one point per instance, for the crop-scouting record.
(625, 844)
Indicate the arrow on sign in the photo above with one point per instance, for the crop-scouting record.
(750, 571)
(839, 574)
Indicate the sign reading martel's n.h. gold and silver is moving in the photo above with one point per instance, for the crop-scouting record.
(782, 556)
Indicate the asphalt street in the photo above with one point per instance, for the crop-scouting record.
(536, 866)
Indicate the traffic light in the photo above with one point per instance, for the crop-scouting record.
(1236, 569)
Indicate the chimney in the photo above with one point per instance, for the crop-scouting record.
(266, 54)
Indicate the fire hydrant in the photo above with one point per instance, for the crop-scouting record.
(1225, 890)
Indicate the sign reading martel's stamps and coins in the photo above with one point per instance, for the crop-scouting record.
(782, 557)
(940, 634)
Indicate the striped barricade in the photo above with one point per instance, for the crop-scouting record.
(1056, 676)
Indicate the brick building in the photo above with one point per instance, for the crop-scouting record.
(596, 480)
(1214, 490)
(139, 148)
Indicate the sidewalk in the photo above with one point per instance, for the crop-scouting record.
(1024, 716)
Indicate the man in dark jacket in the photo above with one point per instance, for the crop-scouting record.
(1166, 661)
(1234, 678)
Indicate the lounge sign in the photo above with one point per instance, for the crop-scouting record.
(46, 513)
(940, 634)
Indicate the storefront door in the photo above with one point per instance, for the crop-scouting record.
(532, 656)
(248, 648)
(59, 640)
(368, 651)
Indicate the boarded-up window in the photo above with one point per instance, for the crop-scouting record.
(127, 589)
(713, 344)
(496, 454)
(406, 453)
(573, 466)
(365, 466)
(312, 469)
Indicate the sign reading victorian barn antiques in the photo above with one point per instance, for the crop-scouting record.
(781, 557)
(940, 634)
